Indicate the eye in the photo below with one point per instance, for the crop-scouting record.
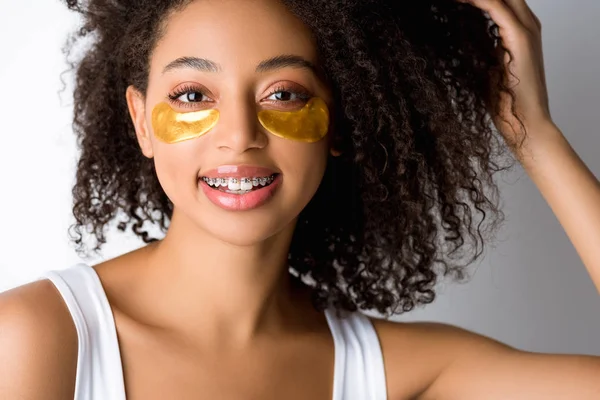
(286, 96)
(189, 96)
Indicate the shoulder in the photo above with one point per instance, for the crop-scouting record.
(417, 353)
(37, 339)
(443, 361)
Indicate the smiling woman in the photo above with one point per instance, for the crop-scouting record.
(306, 160)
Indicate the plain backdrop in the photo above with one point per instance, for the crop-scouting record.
(530, 290)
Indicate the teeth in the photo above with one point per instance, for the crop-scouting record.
(235, 184)
(246, 184)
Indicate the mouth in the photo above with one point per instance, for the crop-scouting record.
(239, 186)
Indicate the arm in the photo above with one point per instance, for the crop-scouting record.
(475, 367)
(434, 361)
(38, 344)
(570, 189)
(481, 368)
(568, 186)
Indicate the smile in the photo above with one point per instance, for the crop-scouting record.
(240, 194)
(239, 185)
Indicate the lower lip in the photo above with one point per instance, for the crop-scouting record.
(241, 202)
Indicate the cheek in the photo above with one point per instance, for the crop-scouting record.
(175, 167)
(306, 165)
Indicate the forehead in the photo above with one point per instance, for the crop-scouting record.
(234, 33)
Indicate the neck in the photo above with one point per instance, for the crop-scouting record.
(223, 292)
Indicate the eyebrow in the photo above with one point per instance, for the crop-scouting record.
(268, 65)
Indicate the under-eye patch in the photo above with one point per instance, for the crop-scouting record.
(171, 126)
(309, 124)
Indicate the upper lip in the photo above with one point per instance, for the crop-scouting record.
(239, 171)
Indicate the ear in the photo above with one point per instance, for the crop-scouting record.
(137, 110)
(334, 140)
(335, 143)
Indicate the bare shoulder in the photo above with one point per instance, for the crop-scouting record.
(441, 361)
(415, 353)
(37, 340)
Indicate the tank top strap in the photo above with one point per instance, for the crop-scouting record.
(99, 367)
(359, 370)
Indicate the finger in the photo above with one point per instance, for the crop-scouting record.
(499, 11)
(523, 13)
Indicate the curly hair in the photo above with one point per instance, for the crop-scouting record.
(412, 197)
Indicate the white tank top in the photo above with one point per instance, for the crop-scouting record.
(358, 374)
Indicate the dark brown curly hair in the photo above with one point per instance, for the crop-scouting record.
(412, 196)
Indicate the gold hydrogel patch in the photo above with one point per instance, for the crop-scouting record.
(171, 126)
(309, 124)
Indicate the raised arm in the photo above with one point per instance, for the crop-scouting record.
(476, 367)
(568, 186)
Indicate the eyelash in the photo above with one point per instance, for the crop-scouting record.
(173, 97)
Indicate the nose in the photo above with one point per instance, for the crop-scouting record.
(238, 129)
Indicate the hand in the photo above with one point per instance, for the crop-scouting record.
(521, 34)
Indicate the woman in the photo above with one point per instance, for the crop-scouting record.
(303, 157)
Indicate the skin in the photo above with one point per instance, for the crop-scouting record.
(240, 329)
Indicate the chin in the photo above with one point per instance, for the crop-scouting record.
(248, 230)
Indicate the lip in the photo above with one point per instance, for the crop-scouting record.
(241, 202)
(239, 171)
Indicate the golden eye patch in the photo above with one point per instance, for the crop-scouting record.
(171, 126)
(309, 124)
